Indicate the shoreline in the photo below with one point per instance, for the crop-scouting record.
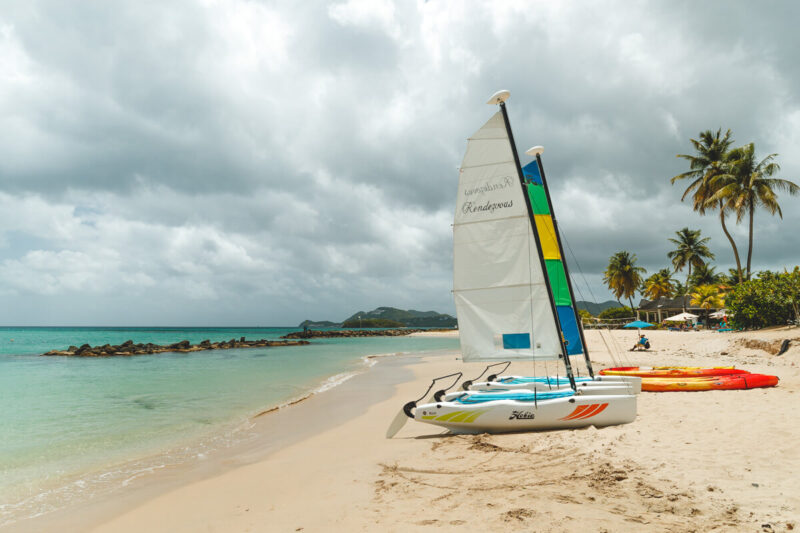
(701, 460)
(256, 441)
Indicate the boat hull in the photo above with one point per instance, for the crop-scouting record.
(504, 416)
(613, 384)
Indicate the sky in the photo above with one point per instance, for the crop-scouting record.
(231, 162)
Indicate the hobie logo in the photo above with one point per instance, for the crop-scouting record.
(521, 415)
(582, 412)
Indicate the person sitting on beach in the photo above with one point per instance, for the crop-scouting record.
(641, 344)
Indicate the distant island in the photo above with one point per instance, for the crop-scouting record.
(596, 308)
(388, 317)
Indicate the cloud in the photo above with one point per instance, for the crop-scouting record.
(246, 162)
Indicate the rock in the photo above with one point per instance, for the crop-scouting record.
(82, 349)
(72, 349)
(180, 345)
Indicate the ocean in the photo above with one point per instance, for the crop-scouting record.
(72, 428)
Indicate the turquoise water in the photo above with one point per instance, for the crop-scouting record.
(73, 427)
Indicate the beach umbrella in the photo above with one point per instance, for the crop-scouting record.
(638, 324)
(683, 317)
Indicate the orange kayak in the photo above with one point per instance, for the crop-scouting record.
(671, 371)
(700, 383)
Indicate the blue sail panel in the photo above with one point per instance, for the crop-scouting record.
(516, 341)
(569, 328)
(531, 172)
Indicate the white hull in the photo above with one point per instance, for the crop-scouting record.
(503, 416)
(596, 386)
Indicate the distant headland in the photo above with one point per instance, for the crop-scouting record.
(387, 317)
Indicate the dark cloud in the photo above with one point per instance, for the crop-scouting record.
(242, 162)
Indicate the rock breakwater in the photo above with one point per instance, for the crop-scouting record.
(131, 348)
(355, 333)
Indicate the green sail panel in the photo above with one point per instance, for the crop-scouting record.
(538, 198)
(558, 281)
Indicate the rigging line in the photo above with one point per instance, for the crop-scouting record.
(577, 264)
(583, 276)
(610, 351)
(623, 357)
(613, 359)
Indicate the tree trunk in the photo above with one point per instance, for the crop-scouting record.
(733, 243)
(631, 302)
(750, 241)
(686, 289)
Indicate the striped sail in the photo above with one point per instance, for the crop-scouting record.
(500, 291)
(564, 301)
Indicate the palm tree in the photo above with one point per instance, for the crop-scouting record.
(707, 296)
(659, 284)
(622, 276)
(706, 275)
(710, 161)
(691, 251)
(747, 184)
(680, 288)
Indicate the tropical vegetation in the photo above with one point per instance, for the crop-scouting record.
(617, 313)
(747, 184)
(372, 323)
(735, 183)
(622, 275)
(706, 274)
(770, 299)
(690, 251)
(659, 285)
(708, 297)
(732, 181)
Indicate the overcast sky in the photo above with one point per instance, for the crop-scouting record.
(259, 163)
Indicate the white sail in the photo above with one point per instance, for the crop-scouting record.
(502, 303)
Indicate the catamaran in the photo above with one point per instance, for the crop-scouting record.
(557, 272)
(513, 302)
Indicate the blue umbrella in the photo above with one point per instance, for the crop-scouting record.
(638, 324)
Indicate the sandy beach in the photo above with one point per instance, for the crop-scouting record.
(692, 461)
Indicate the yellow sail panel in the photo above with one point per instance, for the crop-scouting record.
(547, 236)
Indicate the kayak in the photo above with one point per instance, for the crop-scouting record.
(701, 383)
(671, 371)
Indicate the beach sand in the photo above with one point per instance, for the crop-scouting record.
(692, 461)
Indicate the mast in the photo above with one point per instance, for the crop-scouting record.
(500, 99)
(538, 151)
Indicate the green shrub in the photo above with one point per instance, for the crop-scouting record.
(771, 299)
